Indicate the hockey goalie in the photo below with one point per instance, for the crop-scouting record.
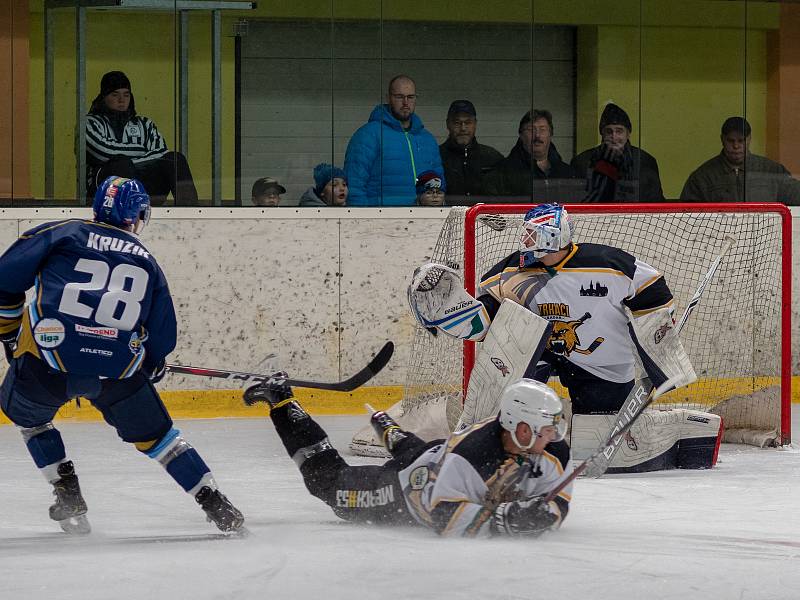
(587, 314)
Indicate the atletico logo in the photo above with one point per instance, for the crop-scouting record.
(501, 366)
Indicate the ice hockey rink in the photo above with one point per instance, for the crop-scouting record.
(729, 533)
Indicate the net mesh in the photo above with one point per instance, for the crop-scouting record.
(733, 337)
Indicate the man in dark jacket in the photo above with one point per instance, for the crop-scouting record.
(737, 175)
(465, 161)
(639, 180)
(533, 157)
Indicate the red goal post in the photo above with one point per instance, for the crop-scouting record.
(739, 338)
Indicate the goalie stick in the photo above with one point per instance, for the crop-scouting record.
(348, 385)
(598, 462)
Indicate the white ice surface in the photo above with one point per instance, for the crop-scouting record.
(729, 533)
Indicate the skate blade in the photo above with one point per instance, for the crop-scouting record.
(76, 525)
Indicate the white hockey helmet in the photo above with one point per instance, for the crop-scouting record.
(547, 228)
(534, 403)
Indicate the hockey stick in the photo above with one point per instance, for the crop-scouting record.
(348, 385)
(644, 388)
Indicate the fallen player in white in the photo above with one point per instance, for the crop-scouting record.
(490, 479)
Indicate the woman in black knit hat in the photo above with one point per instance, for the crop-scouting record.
(120, 142)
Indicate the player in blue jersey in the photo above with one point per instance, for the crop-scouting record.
(99, 326)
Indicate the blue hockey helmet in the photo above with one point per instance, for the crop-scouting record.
(547, 228)
(122, 202)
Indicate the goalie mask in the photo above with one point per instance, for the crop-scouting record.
(547, 228)
(534, 403)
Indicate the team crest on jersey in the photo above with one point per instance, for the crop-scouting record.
(501, 366)
(49, 333)
(564, 340)
(595, 290)
(418, 478)
(661, 333)
(136, 341)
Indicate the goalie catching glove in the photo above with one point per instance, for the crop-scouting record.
(438, 301)
(525, 518)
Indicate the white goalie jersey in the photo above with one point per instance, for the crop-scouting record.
(585, 297)
(455, 486)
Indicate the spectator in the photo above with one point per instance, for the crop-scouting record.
(430, 189)
(639, 180)
(329, 189)
(120, 142)
(385, 155)
(533, 157)
(465, 161)
(737, 175)
(267, 192)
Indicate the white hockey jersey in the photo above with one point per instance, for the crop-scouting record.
(454, 487)
(584, 296)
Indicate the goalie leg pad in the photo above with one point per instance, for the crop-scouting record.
(512, 348)
(701, 435)
(658, 440)
(650, 445)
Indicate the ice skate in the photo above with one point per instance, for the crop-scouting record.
(69, 509)
(219, 510)
(386, 428)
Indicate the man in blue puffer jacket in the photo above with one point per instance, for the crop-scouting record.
(385, 156)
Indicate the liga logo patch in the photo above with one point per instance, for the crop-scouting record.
(48, 333)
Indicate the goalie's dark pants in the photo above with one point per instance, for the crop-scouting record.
(362, 493)
(588, 393)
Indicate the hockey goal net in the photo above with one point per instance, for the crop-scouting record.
(738, 338)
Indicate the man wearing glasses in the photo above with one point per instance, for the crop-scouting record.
(386, 155)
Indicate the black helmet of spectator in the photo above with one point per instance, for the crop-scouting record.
(112, 81)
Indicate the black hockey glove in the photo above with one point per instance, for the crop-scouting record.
(9, 341)
(524, 518)
(157, 373)
(271, 391)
